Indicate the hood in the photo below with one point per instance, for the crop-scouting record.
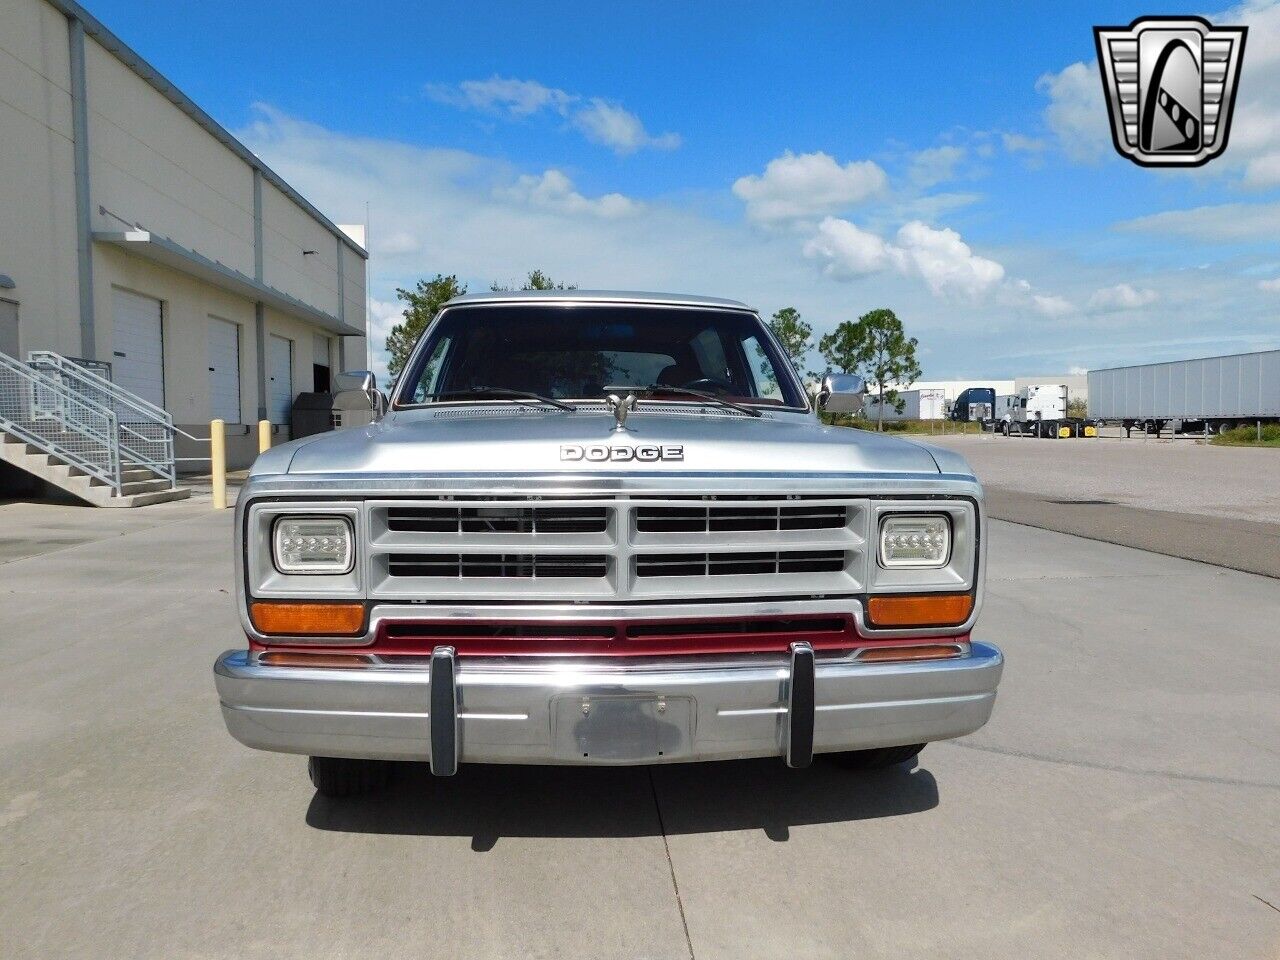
(522, 440)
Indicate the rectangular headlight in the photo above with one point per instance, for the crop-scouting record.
(915, 540)
(313, 545)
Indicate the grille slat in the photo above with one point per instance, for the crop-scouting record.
(497, 565)
(532, 520)
(717, 519)
(738, 563)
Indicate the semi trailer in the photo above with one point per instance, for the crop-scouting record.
(1207, 395)
(916, 405)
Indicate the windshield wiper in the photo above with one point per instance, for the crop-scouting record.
(688, 392)
(504, 393)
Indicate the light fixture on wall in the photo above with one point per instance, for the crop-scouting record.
(6, 282)
(309, 253)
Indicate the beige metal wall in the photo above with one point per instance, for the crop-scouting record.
(154, 167)
(37, 202)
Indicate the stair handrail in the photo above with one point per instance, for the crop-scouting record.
(164, 465)
(110, 472)
(38, 358)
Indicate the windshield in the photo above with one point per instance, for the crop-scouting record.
(573, 352)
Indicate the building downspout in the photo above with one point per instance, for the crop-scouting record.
(342, 308)
(259, 311)
(80, 154)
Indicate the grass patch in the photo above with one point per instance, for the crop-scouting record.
(1247, 436)
(919, 427)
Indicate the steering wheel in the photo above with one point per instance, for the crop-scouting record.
(708, 385)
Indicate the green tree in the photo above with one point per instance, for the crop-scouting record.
(536, 280)
(877, 349)
(795, 335)
(423, 303)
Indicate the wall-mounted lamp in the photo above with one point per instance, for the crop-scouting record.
(6, 282)
(309, 253)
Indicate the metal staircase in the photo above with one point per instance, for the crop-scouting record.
(71, 427)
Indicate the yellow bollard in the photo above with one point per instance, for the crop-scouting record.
(218, 462)
(264, 436)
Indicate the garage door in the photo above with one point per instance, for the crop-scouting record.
(280, 382)
(224, 370)
(137, 360)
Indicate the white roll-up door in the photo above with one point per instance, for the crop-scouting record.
(137, 353)
(280, 379)
(224, 370)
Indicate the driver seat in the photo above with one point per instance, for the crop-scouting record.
(678, 374)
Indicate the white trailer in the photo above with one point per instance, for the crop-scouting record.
(917, 405)
(1210, 394)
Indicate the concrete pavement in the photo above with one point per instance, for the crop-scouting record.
(1122, 802)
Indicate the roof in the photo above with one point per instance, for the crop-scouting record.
(598, 296)
(131, 59)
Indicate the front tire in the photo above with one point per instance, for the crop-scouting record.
(880, 758)
(344, 777)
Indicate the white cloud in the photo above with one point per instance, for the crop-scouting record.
(1220, 223)
(519, 98)
(611, 125)
(807, 184)
(1020, 143)
(1051, 306)
(1271, 286)
(935, 165)
(599, 120)
(937, 256)
(402, 241)
(945, 261)
(1122, 297)
(848, 251)
(554, 191)
(1076, 113)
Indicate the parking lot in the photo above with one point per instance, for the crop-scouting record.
(1121, 803)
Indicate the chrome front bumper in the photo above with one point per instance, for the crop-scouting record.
(509, 711)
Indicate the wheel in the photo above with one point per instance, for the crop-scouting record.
(344, 777)
(878, 759)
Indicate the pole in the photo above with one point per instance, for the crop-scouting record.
(218, 461)
(264, 436)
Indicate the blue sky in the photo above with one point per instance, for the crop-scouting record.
(949, 161)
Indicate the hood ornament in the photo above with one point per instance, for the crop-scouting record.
(621, 408)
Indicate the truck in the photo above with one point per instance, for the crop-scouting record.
(1040, 410)
(974, 405)
(916, 405)
(1206, 395)
(600, 528)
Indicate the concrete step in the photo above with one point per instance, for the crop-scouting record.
(144, 486)
(146, 499)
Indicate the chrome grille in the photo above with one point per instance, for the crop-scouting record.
(738, 564)
(463, 519)
(566, 548)
(502, 565)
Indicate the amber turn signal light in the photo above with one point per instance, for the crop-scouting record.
(307, 619)
(930, 610)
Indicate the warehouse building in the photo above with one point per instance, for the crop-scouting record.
(136, 231)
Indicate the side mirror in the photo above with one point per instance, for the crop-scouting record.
(841, 393)
(364, 382)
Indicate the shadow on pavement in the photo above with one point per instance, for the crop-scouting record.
(489, 802)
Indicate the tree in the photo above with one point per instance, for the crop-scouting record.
(877, 349)
(424, 302)
(536, 280)
(794, 334)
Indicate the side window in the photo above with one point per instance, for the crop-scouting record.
(760, 370)
(432, 370)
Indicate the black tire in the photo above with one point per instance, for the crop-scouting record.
(879, 759)
(344, 777)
